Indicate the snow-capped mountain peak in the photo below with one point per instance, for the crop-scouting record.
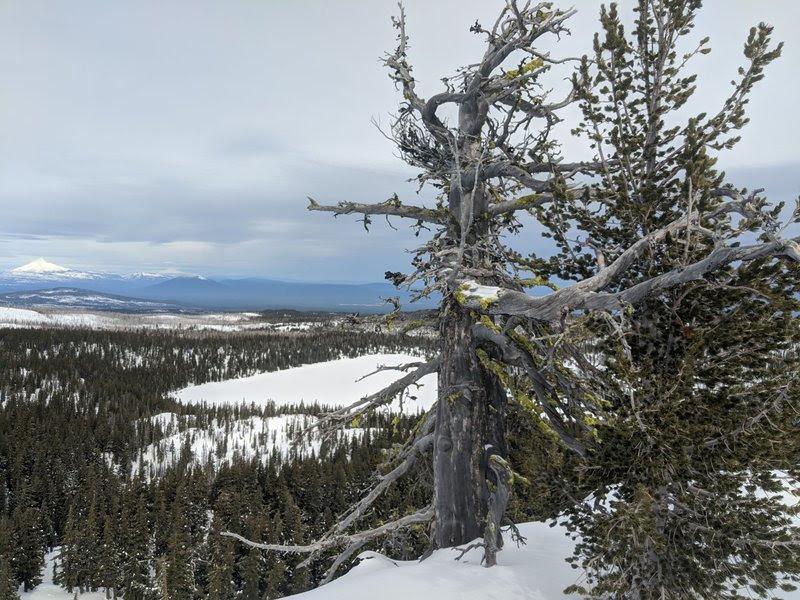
(43, 270)
(40, 265)
(148, 275)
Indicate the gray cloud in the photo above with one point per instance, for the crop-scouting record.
(186, 135)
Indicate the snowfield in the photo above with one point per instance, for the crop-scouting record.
(535, 571)
(332, 383)
(23, 317)
(11, 317)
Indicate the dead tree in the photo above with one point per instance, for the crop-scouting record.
(485, 144)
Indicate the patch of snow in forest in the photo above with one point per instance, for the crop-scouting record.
(332, 383)
(300, 326)
(220, 443)
(167, 420)
(47, 590)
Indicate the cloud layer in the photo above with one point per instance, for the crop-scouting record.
(186, 135)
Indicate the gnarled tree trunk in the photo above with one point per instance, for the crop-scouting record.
(470, 425)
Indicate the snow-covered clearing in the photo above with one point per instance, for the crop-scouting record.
(332, 383)
(328, 384)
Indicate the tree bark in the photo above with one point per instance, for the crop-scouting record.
(470, 421)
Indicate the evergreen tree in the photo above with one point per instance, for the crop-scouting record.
(162, 523)
(647, 222)
(252, 564)
(109, 559)
(251, 569)
(135, 559)
(68, 576)
(6, 537)
(8, 585)
(697, 421)
(276, 579)
(222, 556)
(162, 587)
(28, 555)
(91, 544)
(179, 572)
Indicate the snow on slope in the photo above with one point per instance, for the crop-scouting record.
(218, 445)
(40, 265)
(22, 317)
(536, 571)
(332, 383)
(45, 270)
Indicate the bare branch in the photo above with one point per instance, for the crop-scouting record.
(385, 396)
(423, 516)
(341, 559)
(391, 207)
(381, 368)
(422, 444)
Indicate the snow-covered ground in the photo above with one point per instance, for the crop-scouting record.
(24, 317)
(47, 590)
(535, 571)
(328, 384)
(332, 383)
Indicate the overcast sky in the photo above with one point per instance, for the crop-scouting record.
(185, 135)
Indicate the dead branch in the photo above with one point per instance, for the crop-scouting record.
(338, 418)
(391, 207)
(419, 517)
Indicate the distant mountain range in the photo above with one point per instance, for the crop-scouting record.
(41, 270)
(43, 283)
